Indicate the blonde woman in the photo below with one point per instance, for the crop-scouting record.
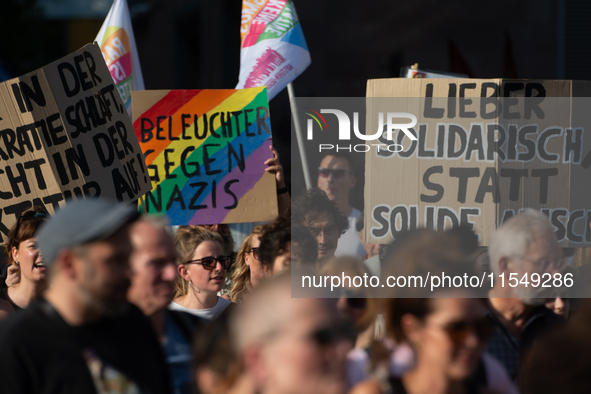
(202, 267)
(249, 270)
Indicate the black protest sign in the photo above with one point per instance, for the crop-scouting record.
(65, 133)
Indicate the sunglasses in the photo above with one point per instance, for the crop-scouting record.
(336, 173)
(255, 253)
(25, 218)
(459, 331)
(210, 262)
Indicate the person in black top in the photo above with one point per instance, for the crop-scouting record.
(22, 251)
(83, 336)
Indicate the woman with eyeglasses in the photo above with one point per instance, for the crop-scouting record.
(248, 271)
(22, 251)
(202, 268)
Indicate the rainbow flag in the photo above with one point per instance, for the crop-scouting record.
(117, 44)
(273, 51)
(205, 152)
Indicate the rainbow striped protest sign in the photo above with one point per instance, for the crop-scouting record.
(205, 152)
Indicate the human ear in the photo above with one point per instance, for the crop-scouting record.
(184, 272)
(66, 262)
(254, 363)
(14, 254)
(411, 327)
(503, 264)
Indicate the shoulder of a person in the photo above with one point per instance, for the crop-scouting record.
(187, 321)
(222, 302)
(15, 330)
(369, 386)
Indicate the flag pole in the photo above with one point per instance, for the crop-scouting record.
(298, 131)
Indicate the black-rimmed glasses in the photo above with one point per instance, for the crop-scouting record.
(209, 262)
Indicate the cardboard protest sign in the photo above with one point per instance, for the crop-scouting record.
(485, 150)
(205, 152)
(64, 132)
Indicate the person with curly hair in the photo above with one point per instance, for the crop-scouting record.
(248, 271)
(321, 216)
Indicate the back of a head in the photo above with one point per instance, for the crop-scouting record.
(424, 254)
(213, 350)
(560, 363)
(262, 312)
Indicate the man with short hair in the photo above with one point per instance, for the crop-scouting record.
(336, 177)
(83, 336)
(152, 290)
(523, 246)
(290, 345)
(316, 212)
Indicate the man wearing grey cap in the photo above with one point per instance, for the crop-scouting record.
(83, 336)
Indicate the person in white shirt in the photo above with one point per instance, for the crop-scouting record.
(336, 178)
(203, 268)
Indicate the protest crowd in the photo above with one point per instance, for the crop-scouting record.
(100, 297)
(121, 273)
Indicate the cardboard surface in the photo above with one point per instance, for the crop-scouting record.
(461, 170)
(64, 133)
(205, 151)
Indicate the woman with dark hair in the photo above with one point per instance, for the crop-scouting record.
(21, 250)
(202, 267)
(248, 271)
(448, 334)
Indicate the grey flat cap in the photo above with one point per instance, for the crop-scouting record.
(80, 222)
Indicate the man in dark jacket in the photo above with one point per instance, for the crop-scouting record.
(83, 336)
(152, 290)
